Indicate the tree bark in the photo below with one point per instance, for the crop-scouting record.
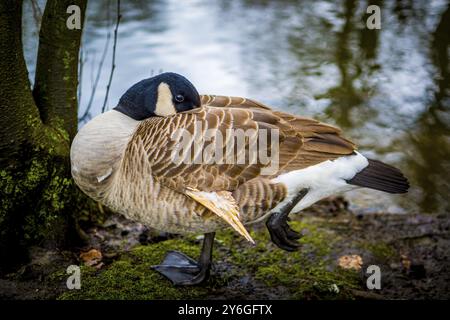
(17, 108)
(56, 80)
(39, 203)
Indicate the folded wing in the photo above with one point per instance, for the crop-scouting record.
(190, 152)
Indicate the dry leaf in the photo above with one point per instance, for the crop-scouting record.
(405, 261)
(351, 262)
(92, 257)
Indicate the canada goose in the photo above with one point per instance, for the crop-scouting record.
(124, 159)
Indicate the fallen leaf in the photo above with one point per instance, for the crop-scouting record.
(92, 257)
(353, 261)
(405, 261)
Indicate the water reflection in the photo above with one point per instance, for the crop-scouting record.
(388, 89)
(345, 97)
(430, 137)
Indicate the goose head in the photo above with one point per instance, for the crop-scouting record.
(160, 96)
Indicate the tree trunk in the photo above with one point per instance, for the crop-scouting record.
(38, 198)
(56, 81)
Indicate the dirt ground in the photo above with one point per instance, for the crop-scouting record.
(412, 252)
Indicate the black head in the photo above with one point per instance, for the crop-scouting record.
(162, 95)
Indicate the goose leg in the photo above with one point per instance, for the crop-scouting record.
(183, 270)
(280, 231)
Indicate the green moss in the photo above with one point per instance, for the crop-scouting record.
(131, 277)
(381, 251)
(45, 180)
(38, 198)
(67, 61)
(307, 273)
(316, 239)
(58, 276)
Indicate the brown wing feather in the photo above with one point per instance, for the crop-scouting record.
(321, 141)
(302, 142)
(157, 133)
(231, 102)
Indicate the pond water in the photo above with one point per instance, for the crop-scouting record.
(388, 89)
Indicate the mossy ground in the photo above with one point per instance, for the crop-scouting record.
(308, 273)
(411, 250)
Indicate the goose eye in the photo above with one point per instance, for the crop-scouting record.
(179, 98)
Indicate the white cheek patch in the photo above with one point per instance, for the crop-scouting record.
(164, 103)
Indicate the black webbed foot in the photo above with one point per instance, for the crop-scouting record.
(280, 231)
(182, 270)
(291, 233)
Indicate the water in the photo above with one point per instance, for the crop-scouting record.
(389, 90)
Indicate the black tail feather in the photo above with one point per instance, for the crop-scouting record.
(380, 176)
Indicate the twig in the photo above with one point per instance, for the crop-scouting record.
(37, 13)
(80, 74)
(97, 78)
(92, 69)
(113, 64)
(99, 70)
